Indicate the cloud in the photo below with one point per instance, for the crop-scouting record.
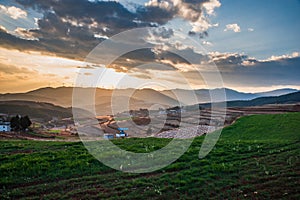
(11, 69)
(170, 59)
(103, 17)
(3, 29)
(282, 57)
(10, 41)
(25, 34)
(13, 77)
(13, 12)
(240, 69)
(233, 27)
(163, 32)
(21, 71)
(275, 73)
(145, 59)
(211, 6)
(191, 10)
(224, 60)
(207, 43)
(37, 60)
(272, 73)
(73, 28)
(250, 29)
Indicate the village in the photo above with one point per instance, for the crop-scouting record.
(175, 122)
(135, 123)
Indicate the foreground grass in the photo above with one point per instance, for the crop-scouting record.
(256, 158)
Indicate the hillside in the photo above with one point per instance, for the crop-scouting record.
(35, 110)
(283, 99)
(255, 158)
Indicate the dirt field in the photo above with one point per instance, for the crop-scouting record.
(40, 136)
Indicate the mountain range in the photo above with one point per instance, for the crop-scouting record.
(62, 96)
(290, 98)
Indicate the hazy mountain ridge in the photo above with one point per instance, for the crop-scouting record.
(291, 98)
(62, 96)
(277, 92)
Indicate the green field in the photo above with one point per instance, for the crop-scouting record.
(256, 158)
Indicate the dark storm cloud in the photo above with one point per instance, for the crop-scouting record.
(285, 71)
(239, 69)
(156, 59)
(188, 56)
(63, 38)
(72, 28)
(12, 42)
(229, 59)
(133, 60)
(106, 14)
(251, 72)
(156, 14)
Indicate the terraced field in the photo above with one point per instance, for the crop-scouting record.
(258, 157)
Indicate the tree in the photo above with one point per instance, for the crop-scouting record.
(18, 123)
(15, 123)
(25, 122)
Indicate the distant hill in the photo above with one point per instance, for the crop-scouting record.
(62, 96)
(203, 95)
(278, 92)
(37, 110)
(283, 99)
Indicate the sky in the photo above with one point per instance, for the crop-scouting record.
(253, 45)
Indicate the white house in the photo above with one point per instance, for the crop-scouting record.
(108, 136)
(5, 127)
(122, 134)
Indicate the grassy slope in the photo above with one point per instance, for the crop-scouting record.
(256, 158)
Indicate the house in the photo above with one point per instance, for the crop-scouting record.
(5, 127)
(108, 136)
(122, 134)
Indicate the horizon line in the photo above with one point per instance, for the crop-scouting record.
(91, 87)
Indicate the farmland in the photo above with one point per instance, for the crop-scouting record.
(256, 158)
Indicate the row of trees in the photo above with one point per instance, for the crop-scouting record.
(18, 123)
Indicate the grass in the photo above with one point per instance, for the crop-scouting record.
(256, 158)
(40, 135)
(54, 131)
